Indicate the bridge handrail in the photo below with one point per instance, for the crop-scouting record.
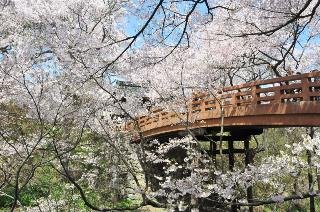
(312, 74)
(288, 89)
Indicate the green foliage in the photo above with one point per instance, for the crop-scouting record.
(27, 197)
(43, 184)
(126, 203)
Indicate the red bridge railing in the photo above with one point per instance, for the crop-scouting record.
(250, 99)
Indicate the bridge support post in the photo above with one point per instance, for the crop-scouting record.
(234, 208)
(213, 149)
(231, 155)
(310, 177)
(248, 160)
(242, 135)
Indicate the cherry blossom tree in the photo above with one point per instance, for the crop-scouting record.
(53, 113)
(59, 110)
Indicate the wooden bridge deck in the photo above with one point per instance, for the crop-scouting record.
(279, 102)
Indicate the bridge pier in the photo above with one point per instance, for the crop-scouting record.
(213, 148)
(248, 160)
(234, 207)
(310, 176)
(231, 155)
(234, 136)
(231, 136)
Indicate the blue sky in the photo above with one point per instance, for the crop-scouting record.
(133, 23)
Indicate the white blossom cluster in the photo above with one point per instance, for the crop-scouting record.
(202, 181)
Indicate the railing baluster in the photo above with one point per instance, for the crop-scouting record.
(277, 94)
(305, 89)
(233, 100)
(254, 94)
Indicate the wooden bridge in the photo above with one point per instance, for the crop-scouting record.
(243, 110)
(291, 101)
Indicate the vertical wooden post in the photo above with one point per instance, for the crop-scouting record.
(305, 89)
(254, 94)
(234, 100)
(310, 177)
(231, 166)
(231, 155)
(213, 148)
(310, 180)
(248, 160)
